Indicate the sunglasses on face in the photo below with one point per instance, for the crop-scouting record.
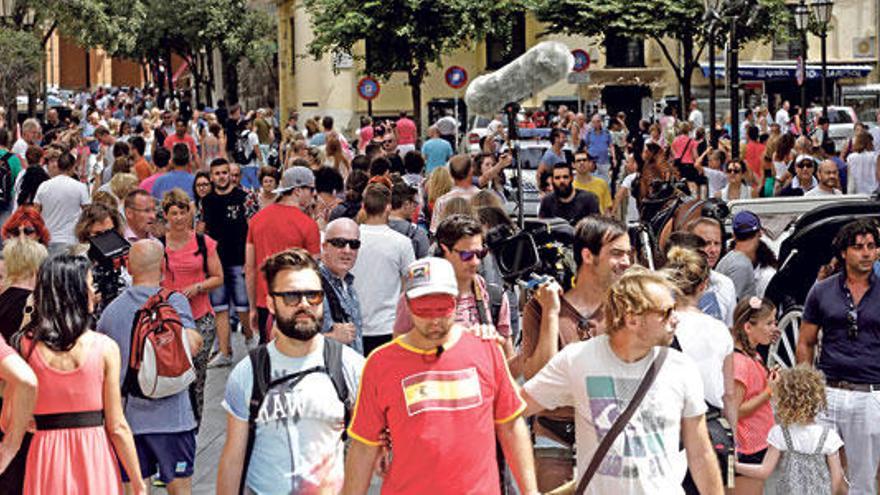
(24, 230)
(733, 170)
(339, 242)
(294, 297)
(467, 255)
(665, 314)
(804, 165)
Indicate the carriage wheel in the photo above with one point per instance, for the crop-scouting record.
(783, 351)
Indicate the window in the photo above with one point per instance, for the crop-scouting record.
(621, 51)
(502, 51)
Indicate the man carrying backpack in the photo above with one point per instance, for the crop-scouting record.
(288, 403)
(164, 428)
(246, 153)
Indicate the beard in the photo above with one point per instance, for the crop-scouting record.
(563, 191)
(303, 329)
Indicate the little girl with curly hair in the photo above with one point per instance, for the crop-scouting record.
(805, 452)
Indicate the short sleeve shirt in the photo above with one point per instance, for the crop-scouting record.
(298, 443)
(645, 458)
(185, 267)
(583, 204)
(751, 431)
(441, 413)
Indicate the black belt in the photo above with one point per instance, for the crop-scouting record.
(855, 387)
(61, 421)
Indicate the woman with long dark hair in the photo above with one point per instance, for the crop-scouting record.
(78, 412)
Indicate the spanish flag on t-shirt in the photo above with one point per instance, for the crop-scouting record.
(442, 391)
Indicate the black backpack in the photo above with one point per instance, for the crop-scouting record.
(239, 153)
(262, 382)
(6, 179)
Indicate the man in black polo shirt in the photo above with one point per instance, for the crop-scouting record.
(846, 307)
(565, 201)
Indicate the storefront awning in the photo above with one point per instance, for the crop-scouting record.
(786, 70)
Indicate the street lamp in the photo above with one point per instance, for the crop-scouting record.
(802, 22)
(822, 11)
(712, 17)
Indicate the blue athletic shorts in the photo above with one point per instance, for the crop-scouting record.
(171, 455)
(232, 293)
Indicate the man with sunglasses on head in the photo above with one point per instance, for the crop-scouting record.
(298, 438)
(460, 242)
(846, 308)
(279, 226)
(803, 181)
(381, 265)
(599, 379)
(342, 307)
(445, 395)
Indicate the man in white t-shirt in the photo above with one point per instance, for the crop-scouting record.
(30, 136)
(829, 180)
(695, 117)
(60, 200)
(599, 378)
(782, 116)
(380, 267)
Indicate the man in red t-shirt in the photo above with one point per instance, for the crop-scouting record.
(444, 395)
(180, 136)
(279, 226)
(406, 132)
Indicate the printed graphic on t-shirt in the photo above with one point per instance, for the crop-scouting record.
(442, 391)
(643, 439)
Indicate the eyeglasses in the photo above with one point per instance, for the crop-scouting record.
(665, 314)
(294, 297)
(204, 184)
(734, 171)
(467, 255)
(339, 242)
(24, 230)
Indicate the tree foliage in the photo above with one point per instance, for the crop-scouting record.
(667, 22)
(405, 35)
(21, 52)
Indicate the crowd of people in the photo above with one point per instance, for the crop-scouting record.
(384, 343)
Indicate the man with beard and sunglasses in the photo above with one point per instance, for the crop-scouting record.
(566, 201)
(297, 446)
(445, 395)
(460, 242)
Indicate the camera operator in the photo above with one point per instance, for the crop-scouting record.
(110, 278)
(552, 320)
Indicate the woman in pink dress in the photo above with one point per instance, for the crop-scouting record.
(78, 413)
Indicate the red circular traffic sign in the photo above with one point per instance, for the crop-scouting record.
(581, 60)
(456, 77)
(368, 88)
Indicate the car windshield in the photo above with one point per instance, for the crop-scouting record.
(839, 117)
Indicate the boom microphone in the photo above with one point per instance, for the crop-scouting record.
(542, 66)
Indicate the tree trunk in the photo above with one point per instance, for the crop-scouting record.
(209, 84)
(687, 70)
(415, 85)
(169, 73)
(230, 79)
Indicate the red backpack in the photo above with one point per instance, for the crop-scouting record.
(160, 363)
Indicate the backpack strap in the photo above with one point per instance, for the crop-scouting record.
(481, 309)
(787, 436)
(333, 363)
(261, 373)
(822, 438)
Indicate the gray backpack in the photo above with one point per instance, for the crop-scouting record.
(804, 473)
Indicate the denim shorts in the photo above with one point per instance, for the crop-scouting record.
(233, 292)
(171, 455)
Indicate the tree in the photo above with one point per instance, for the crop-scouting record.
(21, 53)
(405, 35)
(665, 22)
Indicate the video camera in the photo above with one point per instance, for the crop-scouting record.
(106, 252)
(542, 248)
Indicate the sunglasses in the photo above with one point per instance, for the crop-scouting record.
(734, 171)
(339, 242)
(467, 255)
(294, 297)
(852, 319)
(24, 230)
(665, 314)
(805, 165)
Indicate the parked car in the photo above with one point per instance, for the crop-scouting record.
(842, 123)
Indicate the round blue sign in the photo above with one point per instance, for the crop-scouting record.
(581, 60)
(456, 77)
(368, 88)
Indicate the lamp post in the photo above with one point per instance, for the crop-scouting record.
(733, 77)
(822, 11)
(711, 28)
(802, 22)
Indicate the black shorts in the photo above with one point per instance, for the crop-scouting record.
(756, 458)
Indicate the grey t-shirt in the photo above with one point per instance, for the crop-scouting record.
(166, 415)
(738, 267)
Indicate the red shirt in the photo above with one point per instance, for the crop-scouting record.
(406, 131)
(278, 227)
(186, 267)
(752, 431)
(441, 412)
(755, 157)
(171, 140)
(5, 350)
